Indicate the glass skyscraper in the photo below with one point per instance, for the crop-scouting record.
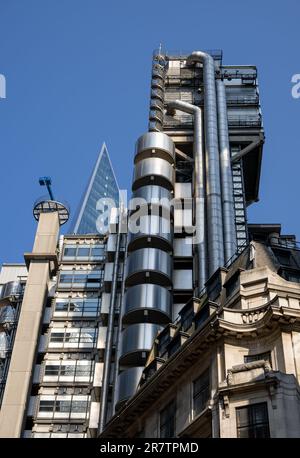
(102, 184)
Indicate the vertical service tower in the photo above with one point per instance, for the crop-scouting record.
(202, 153)
(42, 263)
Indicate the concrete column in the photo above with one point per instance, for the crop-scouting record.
(18, 385)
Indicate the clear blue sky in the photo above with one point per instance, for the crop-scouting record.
(78, 73)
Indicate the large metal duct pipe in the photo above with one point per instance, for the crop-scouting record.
(213, 185)
(110, 331)
(226, 174)
(199, 185)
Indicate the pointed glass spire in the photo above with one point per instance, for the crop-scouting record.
(102, 184)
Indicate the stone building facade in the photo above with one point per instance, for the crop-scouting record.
(230, 366)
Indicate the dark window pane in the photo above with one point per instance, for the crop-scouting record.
(167, 420)
(252, 421)
(57, 337)
(201, 392)
(66, 278)
(70, 252)
(259, 357)
(83, 252)
(61, 306)
(97, 252)
(79, 278)
(51, 370)
(46, 406)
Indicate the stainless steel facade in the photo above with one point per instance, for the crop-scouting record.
(149, 265)
(153, 299)
(137, 340)
(203, 150)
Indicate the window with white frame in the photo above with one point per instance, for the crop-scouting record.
(73, 338)
(64, 406)
(77, 307)
(68, 371)
(88, 279)
(84, 252)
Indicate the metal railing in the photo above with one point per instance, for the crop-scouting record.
(243, 100)
(241, 121)
(244, 121)
(238, 75)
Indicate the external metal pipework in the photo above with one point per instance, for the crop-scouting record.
(199, 181)
(213, 185)
(230, 245)
(110, 330)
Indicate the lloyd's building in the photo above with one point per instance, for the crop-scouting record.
(188, 327)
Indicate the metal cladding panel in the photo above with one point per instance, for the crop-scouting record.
(108, 271)
(139, 337)
(152, 225)
(127, 382)
(148, 296)
(183, 279)
(11, 288)
(94, 415)
(183, 190)
(154, 167)
(98, 374)
(152, 141)
(149, 259)
(152, 194)
(102, 337)
(183, 247)
(183, 221)
(111, 243)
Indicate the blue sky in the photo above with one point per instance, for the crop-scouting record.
(78, 73)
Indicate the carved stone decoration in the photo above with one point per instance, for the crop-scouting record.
(230, 377)
(226, 406)
(272, 394)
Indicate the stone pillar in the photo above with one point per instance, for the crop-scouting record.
(41, 262)
(288, 353)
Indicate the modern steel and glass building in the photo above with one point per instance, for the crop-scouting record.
(67, 319)
(102, 185)
(186, 327)
(12, 282)
(203, 151)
